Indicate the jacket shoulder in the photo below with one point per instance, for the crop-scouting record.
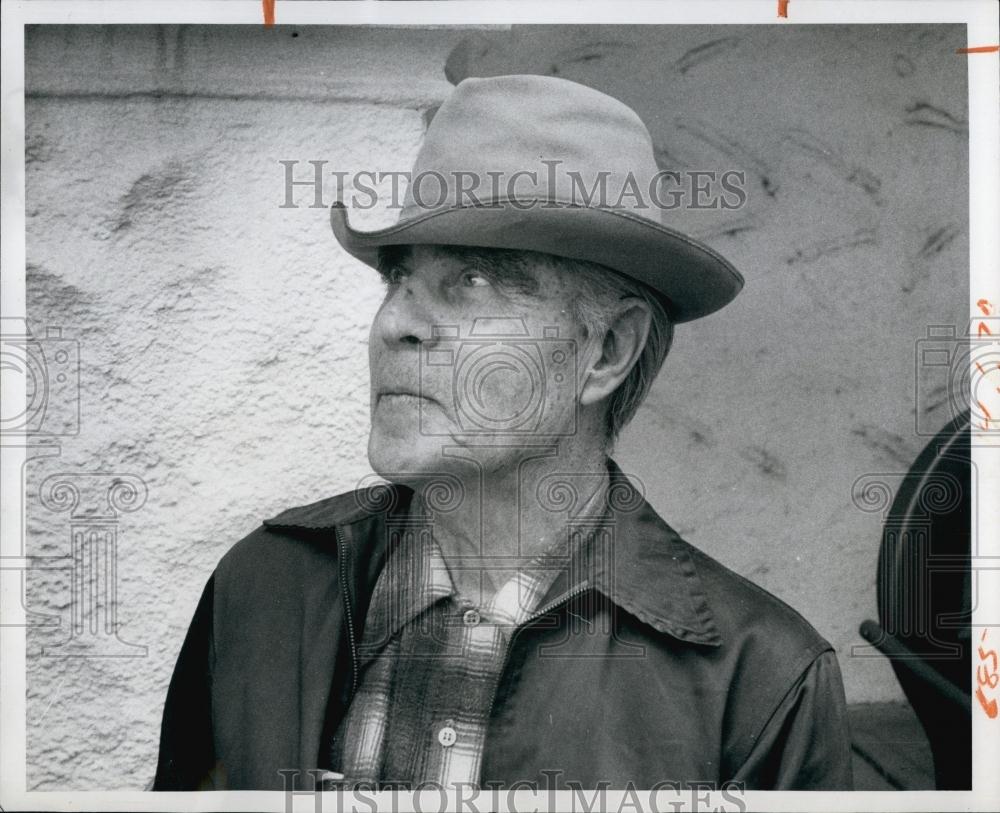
(746, 612)
(295, 538)
(781, 677)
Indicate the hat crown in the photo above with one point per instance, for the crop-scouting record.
(532, 138)
(537, 163)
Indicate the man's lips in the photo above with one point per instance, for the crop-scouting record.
(404, 393)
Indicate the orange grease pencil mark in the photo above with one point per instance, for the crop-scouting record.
(979, 49)
(988, 309)
(268, 12)
(987, 677)
(782, 8)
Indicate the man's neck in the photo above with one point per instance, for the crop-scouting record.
(509, 515)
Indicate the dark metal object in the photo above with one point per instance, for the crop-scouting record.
(904, 659)
(924, 606)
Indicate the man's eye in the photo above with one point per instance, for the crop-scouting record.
(393, 276)
(473, 279)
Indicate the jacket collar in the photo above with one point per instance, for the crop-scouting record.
(642, 566)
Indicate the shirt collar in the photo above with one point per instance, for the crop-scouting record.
(637, 561)
(414, 579)
(416, 576)
(648, 570)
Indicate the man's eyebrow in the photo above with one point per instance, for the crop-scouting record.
(508, 268)
(393, 263)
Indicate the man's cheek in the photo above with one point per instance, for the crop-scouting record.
(501, 390)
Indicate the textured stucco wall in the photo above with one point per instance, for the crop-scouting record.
(222, 338)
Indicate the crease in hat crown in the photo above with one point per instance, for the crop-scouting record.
(535, 146)
(549, 134)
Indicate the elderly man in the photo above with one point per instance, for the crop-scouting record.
(507, 609)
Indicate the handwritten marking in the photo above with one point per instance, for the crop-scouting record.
(782, 8)
(988, 678)
(979, 49)
(987, 309)
(268, 12)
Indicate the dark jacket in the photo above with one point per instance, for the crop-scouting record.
(672, 670)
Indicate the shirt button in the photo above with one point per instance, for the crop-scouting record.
(471, 618)
(447, 736)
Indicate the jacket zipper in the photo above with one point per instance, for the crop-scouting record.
(342, 556)
(535, 615)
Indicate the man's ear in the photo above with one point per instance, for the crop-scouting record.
(616, 352)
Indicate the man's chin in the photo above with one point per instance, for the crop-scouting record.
(398, 460)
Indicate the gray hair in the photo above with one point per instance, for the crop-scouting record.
(598, 292)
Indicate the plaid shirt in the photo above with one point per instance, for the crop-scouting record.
(432, 662)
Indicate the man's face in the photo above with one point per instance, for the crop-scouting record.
(465, 353)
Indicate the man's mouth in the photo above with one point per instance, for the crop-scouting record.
(399, 393)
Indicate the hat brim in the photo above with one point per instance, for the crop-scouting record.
(694, 279)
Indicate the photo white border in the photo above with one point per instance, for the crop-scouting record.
(984, 242)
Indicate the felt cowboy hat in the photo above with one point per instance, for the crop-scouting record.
(545, 164)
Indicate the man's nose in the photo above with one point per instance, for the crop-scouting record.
(407, 316)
